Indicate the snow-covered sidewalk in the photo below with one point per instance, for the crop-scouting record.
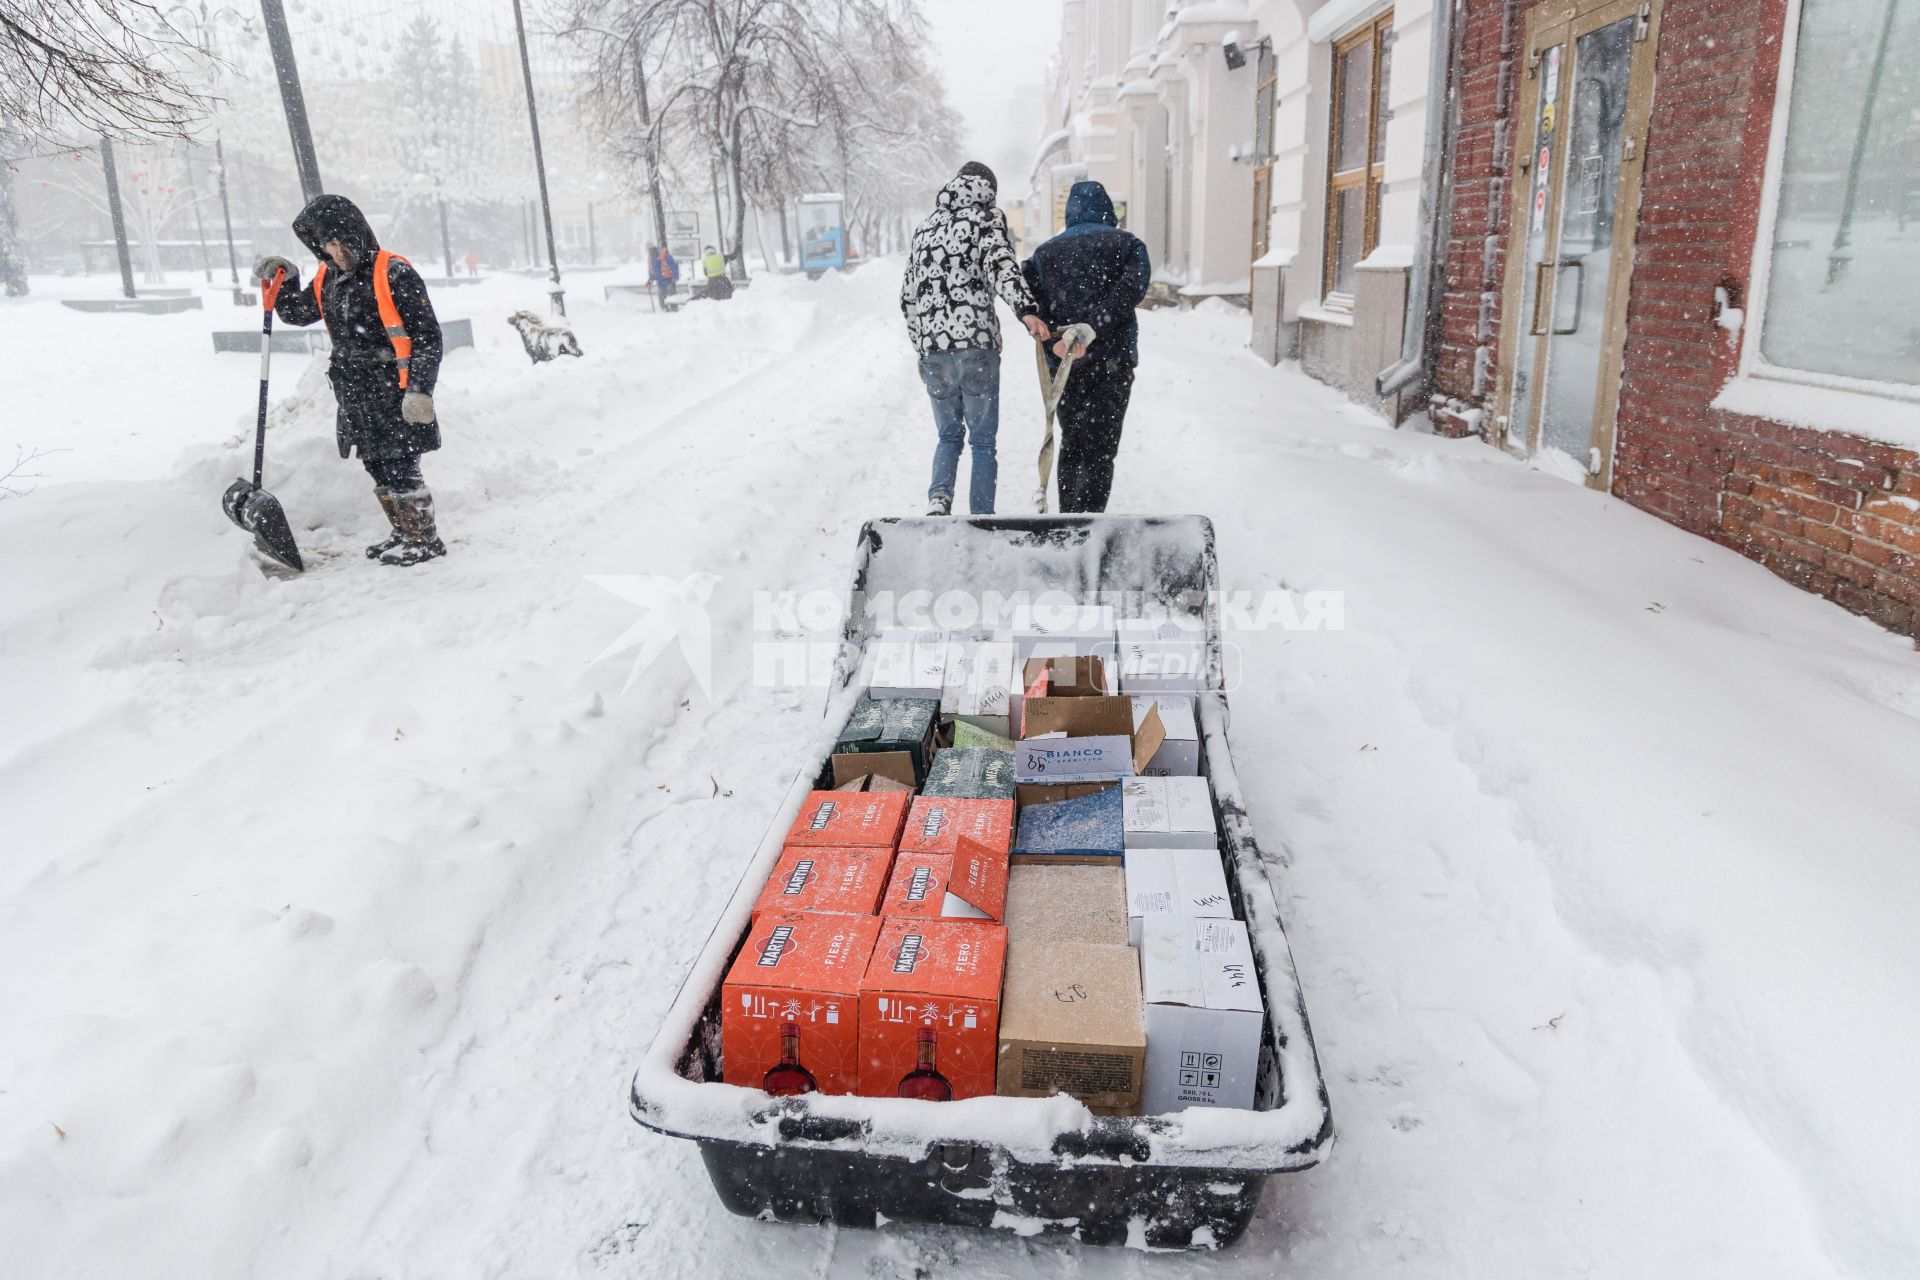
(336, 910)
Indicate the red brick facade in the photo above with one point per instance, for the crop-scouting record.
(1835, 514)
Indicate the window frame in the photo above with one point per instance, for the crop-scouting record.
(1371, 174)
(1752, 364)
(1266, 103)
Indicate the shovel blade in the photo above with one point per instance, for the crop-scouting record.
(260, 514)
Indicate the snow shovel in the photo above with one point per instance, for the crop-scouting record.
(247, 504)
(1052, 387)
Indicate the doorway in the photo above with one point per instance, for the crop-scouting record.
(1583, 114)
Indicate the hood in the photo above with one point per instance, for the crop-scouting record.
(1089, 202)
(336, 218)
(965, 190)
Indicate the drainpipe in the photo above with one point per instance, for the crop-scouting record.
(1436, 160)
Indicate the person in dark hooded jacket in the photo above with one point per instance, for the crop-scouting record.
(385, 406)
(1092, 274)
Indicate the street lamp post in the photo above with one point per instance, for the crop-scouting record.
(556, 296)
(305, 159)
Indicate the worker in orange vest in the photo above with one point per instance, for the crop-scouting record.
(386, 359)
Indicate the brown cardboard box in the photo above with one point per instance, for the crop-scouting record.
(1047, 904)
(1071, 1021)
(1072, 730)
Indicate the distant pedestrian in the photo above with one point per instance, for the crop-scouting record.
(663, 273)
(714, 265)
(386, 360)
(473, 265)
(1092, 274)
(960, 259)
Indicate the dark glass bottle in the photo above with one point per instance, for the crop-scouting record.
(787, 1077)
(925, 1081)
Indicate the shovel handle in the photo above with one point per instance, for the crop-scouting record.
(269, 294)
(270, 291)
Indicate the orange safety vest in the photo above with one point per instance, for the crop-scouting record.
(383, 299)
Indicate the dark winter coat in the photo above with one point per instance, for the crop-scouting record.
(366, 383)
(961, 257)
(1093, 273)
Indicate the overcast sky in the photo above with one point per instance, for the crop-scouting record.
(994, 55)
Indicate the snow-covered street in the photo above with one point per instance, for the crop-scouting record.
(337, 910)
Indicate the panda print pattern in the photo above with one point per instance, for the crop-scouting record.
(961, 257)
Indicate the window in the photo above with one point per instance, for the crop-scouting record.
(1265, 101)
(1356, 151)
(1839, 259)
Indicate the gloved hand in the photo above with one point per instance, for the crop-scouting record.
(269, 266)
(1076, 338)
(416, 407)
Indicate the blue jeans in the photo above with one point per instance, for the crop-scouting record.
(965, 389)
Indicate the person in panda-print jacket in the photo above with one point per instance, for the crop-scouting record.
(962, 256)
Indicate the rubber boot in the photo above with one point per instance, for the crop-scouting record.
(394, 538)
(419, 540)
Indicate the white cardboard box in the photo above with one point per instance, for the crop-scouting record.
(1168, 813)
(1174, 882)
(1083, 629)
(1179, 754)
(1161, 655)
(909, 664)
(980, 685)
(1204, 1014)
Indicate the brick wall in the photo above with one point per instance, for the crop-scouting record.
(1835, 514)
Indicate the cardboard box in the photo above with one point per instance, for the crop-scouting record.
(1050, 903)
(1082, 629)
(1076, 831)
(937, 824)
(969, 884)
(1071, 1022)
(1169, 813)
(980, 687)
(1165, 655)
(804, 972)
(973, 772)
(887, 725)
(940, 975)
(1070, 730)
(966, 735)
(1205, 1016)
(847, 881)
(1179, 753)
(1175, 882)
(849, 820)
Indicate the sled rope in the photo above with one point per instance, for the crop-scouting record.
(1052, 387)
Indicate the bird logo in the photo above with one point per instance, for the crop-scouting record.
(673, 612)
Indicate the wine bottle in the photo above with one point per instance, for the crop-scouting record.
(787, 1077)
(925, 1081)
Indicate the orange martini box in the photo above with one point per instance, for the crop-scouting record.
(847, 881)
(849, 820)
(968, 885)
(796, 983)
(942, 976)
(937, 824)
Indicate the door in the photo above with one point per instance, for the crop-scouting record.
(1576, 192)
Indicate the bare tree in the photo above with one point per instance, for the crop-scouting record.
(740, 81)
(17, 474)
(87, 67)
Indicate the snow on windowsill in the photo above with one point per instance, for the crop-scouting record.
(1218, 290)
(1322, 315)
(1388, 257)
(1881, 418)
(1275, 258)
